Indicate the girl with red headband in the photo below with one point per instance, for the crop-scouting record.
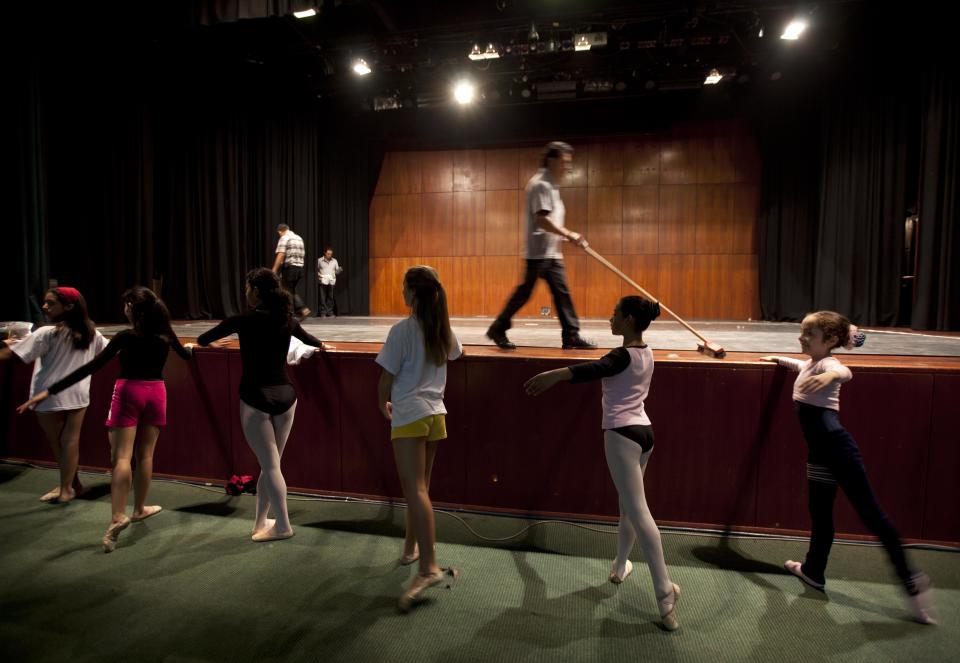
(57, 350)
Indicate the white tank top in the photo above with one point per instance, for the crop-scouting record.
(625, 392)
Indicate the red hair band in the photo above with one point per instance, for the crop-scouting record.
(72, 295)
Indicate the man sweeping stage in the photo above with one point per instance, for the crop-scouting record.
(545, 229)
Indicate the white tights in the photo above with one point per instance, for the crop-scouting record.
(627, 462)
(267, 436)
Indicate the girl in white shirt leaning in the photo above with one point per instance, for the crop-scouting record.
(414, 360)
(56, 351)
(834, 460)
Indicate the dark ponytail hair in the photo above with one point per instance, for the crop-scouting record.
(149, 314)
(76, 319)
(272, 296)
(430, 310)
(643, 311)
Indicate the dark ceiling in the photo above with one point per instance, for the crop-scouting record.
(416, 49)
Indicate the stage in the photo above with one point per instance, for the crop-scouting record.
(664, 334)
(729, 453)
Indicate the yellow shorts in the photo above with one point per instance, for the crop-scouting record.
(433, 428)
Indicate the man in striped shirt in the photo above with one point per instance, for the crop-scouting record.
(289, 265)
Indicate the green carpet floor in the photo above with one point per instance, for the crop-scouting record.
(189, 585)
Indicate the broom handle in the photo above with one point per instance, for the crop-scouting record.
(606, 263)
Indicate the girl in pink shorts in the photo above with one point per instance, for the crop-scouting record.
(139, 405)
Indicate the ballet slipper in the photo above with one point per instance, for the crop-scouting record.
(407, 560)
(271, 534)
(617, 579)
(112, 534)
(666, 605)
(796, 568)
(146, 513)
(920, 603)
(51, 495)
(269, 522)
(422, 582)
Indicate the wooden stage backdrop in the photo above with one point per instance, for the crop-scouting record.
(676, 211)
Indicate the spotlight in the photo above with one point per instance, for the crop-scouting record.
(581, 43)
(360, 67)
(476, 53)
(534, 35)
(463, 92)
(307, 13)
(713, 77)
(491, 52)
(793, 31)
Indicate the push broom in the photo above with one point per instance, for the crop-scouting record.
(706, 347)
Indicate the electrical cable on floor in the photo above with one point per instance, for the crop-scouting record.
(451, 513)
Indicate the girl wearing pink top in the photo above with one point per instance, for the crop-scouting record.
(834, 460)
(627, 441)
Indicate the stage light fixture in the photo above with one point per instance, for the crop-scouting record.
(476, 53)
(491, 52)
(464, 92)
(713, 77)
(581, 43)
(793, 31)
(360, 67)
(306, 13)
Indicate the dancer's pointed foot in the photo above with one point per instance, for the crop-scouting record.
(409, 558)
(146, 513)
(920, 603)
(667, 605)
(272, 534)
(617, 578)
(424, 581)
(112, 534)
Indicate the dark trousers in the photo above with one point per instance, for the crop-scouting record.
(552, 272)
(834, 461)
(327, 302)
(290, 276)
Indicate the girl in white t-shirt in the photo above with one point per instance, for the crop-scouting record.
(414, 360)
(834, 461)
(56, 351)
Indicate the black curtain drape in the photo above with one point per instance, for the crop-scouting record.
(179, 181)
(839, 174)
(24, 249)
(936, 303)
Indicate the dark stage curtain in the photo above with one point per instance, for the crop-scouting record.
(838, 178)
(24, 249)
(155, 191)
(937, 291)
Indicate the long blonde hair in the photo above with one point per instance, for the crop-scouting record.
(430, 309)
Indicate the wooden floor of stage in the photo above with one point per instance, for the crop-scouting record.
(744, 341)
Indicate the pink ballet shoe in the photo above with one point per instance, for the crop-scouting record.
(617, 579)
(667, 605)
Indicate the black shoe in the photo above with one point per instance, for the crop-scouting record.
(578, 343)
(500, 338)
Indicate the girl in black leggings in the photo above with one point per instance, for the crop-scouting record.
(834, 459)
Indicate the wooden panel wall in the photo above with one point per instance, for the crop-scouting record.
(677, 211)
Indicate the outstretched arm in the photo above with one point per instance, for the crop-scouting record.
(541, 382)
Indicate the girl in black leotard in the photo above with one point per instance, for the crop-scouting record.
(267, 399)
(139, 405)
